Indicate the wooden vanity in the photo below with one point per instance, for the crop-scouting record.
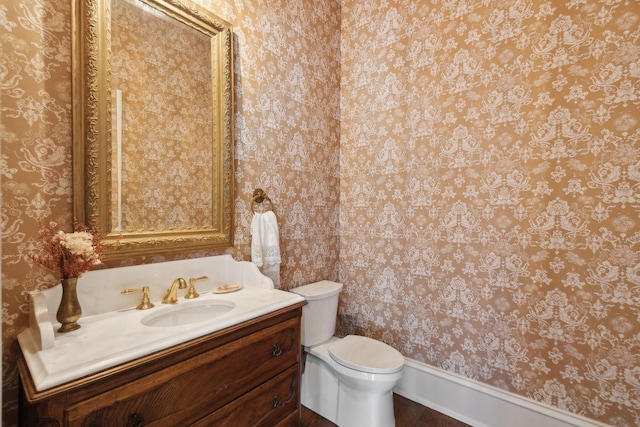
(243, 375)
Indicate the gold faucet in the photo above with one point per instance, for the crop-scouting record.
(146, 303)
(172, 294)
(192, 293)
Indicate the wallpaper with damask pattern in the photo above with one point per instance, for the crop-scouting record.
(490, 192)
(473, 165)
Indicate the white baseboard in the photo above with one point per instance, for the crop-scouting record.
(478, 404)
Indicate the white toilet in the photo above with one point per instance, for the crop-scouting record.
(349, 380)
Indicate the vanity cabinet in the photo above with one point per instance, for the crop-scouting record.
(245, 375)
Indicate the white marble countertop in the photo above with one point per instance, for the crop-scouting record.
(111, 331)
(109, 339)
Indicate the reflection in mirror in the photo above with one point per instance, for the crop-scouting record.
(153, 120)
(162, 122)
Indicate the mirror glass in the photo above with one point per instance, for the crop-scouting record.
(153, 120)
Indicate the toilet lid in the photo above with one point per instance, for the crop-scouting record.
(318, 290)
(366, 355)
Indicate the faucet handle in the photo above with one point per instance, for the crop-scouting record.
(192, 293)
(146, 302)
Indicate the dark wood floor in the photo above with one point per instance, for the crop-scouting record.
(408, 414)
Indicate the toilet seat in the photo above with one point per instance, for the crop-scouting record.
(366, 355)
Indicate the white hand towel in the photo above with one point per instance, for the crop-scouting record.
(265, 245)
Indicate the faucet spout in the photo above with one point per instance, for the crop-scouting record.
(172, 294)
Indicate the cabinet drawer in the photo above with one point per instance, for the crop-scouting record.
(267, 405)
(182, 393)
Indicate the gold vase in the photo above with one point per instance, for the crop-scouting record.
(69, 311)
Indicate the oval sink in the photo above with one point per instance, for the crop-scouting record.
(187, 313)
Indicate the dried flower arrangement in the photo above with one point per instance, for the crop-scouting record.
(69, 255)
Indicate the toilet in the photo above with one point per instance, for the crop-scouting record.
(349, 380)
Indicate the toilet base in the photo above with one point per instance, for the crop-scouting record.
(356, 411)
(319, 389)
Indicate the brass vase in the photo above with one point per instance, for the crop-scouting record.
(69, 311)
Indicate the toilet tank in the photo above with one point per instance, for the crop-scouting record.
(320, 313)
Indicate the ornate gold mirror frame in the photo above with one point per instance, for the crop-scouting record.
(92, 132)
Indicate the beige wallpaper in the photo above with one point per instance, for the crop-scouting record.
(490, 192)
(287, 75)
(472, 165)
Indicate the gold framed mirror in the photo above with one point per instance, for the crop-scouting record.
(153, 125)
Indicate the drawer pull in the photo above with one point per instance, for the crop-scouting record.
(277, 351)
(277, 403)
(134, 420)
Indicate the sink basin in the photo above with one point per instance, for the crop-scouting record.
(187, 313)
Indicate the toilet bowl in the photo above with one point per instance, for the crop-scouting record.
(349, 380)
